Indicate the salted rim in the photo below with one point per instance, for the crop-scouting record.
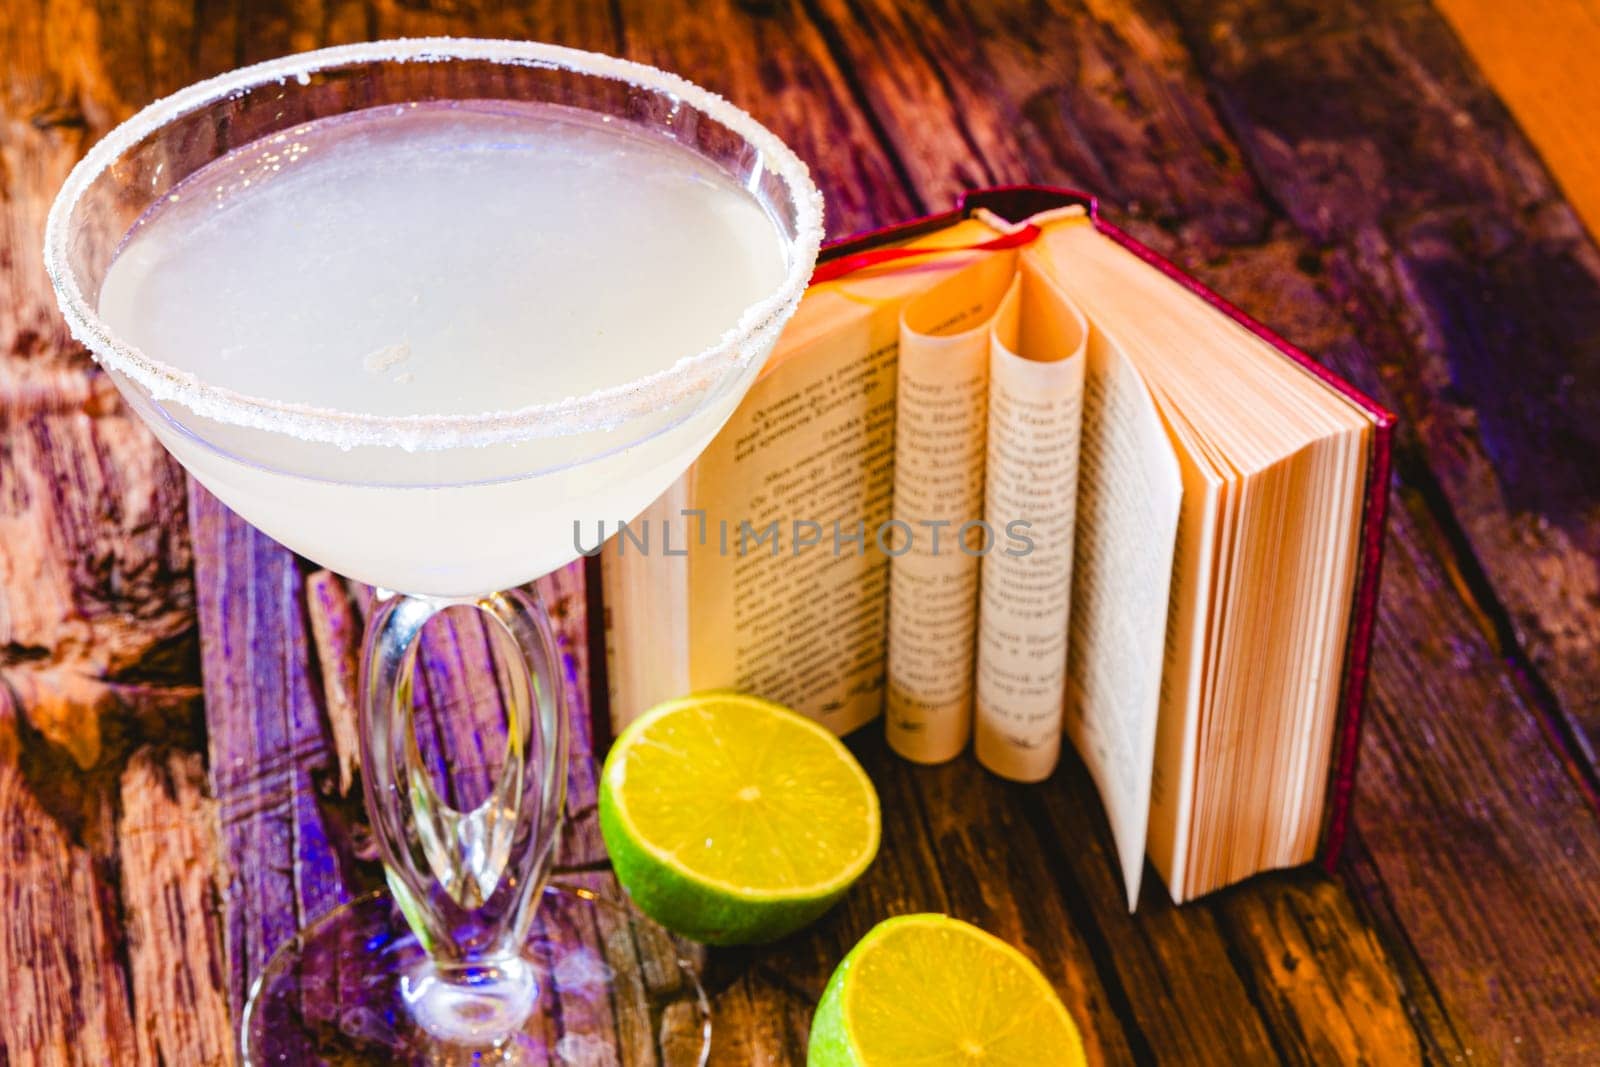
(602, 409)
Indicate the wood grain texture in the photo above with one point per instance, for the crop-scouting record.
(778, 63)
(97, 640)
(94, 580)
(167, 845)
(336, 623)
(1342, 171)
(270, 760)
(1482, 841)
(66, 988)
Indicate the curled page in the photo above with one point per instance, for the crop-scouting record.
(936, 535)
(1123, 555)
(1036, 369)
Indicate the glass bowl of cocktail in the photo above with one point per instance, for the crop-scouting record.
(419, 309)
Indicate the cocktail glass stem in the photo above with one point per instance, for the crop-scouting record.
(467, 882)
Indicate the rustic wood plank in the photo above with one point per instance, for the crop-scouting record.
(1099, 96)
(336, 625)
(773, 62)
(1418, 135)
(97, 567)
(283, 864)
(1479, 838)
(1440, 1041)
(66, 984)
(580, 25)
(167, 844)
(759, 1020)
(94, 587)
(94, 583)
(1319, 971)
(1177, 986)
(97, 642)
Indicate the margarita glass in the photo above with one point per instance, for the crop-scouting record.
(573, 306)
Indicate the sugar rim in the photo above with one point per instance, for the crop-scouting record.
(602, 409)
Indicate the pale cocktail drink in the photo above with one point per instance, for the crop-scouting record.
(444, 259)
(416, 308)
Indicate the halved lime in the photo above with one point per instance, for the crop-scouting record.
(929, 989)
(733, 820)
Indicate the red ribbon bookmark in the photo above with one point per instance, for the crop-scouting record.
(838, 268)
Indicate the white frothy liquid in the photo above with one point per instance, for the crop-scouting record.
(445, 259)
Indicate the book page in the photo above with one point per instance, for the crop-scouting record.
(1036, 376)
(1129, 497)
(1097, 669)
(787, 586)
(785, 571)
(940, 438)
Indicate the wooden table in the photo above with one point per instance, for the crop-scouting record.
(1342, 172)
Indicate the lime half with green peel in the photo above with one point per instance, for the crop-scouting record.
(932, 990)
(733, 820)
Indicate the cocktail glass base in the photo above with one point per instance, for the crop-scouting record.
(596, 985)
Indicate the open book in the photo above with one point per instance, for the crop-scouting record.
(1049, 488)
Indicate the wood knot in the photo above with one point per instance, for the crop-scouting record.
(57, 116)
